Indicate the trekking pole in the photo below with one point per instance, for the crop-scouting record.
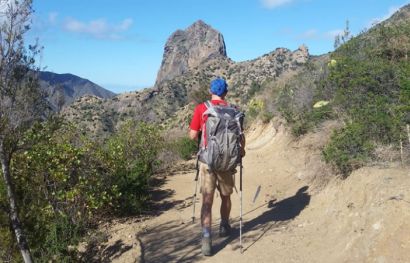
(240, 207)
(196, 181)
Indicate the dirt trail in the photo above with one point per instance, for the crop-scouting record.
(299, 215)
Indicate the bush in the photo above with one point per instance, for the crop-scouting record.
(370, 88)
(308, 120)
(58, 189)
(254, 88)
(184, 147)
(348, 149)
(132, 156)
(366, 81)
(255, 106)
(65, 183)
(200, 93)
(266, 116)
(61, 239)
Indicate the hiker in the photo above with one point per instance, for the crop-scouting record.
(210, 180)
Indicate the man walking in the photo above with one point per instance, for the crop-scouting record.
(211, 180)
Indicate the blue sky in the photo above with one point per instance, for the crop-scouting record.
(119, 44)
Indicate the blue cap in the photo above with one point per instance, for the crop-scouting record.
(218, 86)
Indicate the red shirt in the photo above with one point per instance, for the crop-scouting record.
(197, 121)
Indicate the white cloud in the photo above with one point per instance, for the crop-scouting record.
(309, 34)
(318, 35)
(125, 24)
(274, 3)
(52, 18)
(390, 12)
(98, 28)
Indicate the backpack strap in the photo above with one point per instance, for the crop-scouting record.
(208, 104)
(209, 109)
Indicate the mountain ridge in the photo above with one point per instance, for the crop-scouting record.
(63, 89)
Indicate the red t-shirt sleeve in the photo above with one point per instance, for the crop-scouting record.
(196, 119)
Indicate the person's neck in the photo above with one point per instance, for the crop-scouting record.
(216, 97)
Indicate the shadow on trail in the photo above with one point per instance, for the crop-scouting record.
(280, 214)
(171, 242)
(116, 250)
(180, 242)
(159, 198)
(159, 202)
(96, 252)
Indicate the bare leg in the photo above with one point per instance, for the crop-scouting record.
(206, 210)
(225, 207)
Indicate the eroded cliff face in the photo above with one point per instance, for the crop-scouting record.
(186, 49)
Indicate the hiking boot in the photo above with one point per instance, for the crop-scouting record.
(206, 246)
(224, 230)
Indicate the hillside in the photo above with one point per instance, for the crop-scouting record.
(63, 89)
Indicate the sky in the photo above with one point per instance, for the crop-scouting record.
(119, 44)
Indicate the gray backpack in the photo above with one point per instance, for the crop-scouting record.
(222, 132)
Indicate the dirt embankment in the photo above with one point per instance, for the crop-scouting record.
(295, 210)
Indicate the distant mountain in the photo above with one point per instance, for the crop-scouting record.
(63, 89)
(186, 49)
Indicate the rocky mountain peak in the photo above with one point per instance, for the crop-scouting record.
(186, 49)
(199, 24)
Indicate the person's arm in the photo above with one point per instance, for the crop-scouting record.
(193, 135)
(195, 125)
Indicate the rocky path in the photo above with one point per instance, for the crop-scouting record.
(293, 212)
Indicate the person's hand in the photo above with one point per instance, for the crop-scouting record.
(243, 152)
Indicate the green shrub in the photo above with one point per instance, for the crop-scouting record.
(370, 87)
(254, 88)
(266, 116)
(255, 107)
(131, 157)
(300, 128)
(61, 240)
(348, 149)
(201, 93)
(65, 183)
(310, 119)
(184, 147)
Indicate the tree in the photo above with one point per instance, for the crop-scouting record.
(343, 37)
(21, 101)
